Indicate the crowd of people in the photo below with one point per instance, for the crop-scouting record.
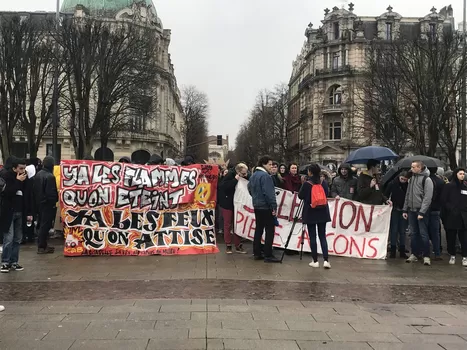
(422, 199)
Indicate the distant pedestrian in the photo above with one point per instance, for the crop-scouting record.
(454, 214)
(316, 214)
(46, 198)
(416, 211)
(16, 202)
(262, 191)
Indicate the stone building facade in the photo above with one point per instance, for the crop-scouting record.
(324, 103)
(162, 132)
(218, 153)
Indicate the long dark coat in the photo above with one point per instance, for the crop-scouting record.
(454, 205)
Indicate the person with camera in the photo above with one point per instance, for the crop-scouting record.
(226, 202)
(17, 198)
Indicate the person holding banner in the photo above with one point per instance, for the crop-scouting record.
(226, 202)
(315, 217)
(263, 193)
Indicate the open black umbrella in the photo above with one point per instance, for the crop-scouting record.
(429, 162)
(364, 154)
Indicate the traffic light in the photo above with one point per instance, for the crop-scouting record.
(219, 140)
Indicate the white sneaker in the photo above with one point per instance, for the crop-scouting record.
(464, 262)
(426, 261)
(452, 261)
(412, 258)
(327, 265)
(2, 308)
(314, 264)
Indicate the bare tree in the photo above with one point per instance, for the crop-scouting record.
(265, 131)
(111, 72)
(410, 92)
(195, 131)
(25, 80)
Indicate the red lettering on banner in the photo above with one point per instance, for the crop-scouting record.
(354, 244)
(293, 207)
(375, 251)
(361, 216)
(329, 248)
(306, 237)
(334, 215)
(239, 214)
(346, 245)
(281, 215)
(251, 228)
(248, 209)
(341, 214)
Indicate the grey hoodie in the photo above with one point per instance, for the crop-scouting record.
(418, 198)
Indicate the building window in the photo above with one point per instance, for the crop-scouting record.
(335, 62)
(336, 30)
(335, 96)
(432, 30)
(48, 151)
(388, 31)
(335, 131)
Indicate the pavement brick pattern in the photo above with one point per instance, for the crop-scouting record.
(230, 324)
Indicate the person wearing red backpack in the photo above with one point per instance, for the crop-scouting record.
(315, 215)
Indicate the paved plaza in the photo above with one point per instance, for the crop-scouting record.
(231, 302)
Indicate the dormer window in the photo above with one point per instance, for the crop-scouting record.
(336, 30)
(389, 31)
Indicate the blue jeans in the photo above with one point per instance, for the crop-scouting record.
(433, 229)
(398, 227)
(420, 239)
(12, 240)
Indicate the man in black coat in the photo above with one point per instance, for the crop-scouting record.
(46, 198)
(15, 203)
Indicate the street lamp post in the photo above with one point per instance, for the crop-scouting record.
(55, 94)
(463, 92)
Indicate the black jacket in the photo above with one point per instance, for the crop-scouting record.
(227, 191)
(9, 196)
(397, 190)
(366, 194)
(45, 190)
(454, 207)
(439, 184)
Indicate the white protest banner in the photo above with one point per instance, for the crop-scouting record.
(356, 230)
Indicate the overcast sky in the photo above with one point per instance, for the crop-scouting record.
(231, 49)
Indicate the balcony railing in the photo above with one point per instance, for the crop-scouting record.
(334, 71)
